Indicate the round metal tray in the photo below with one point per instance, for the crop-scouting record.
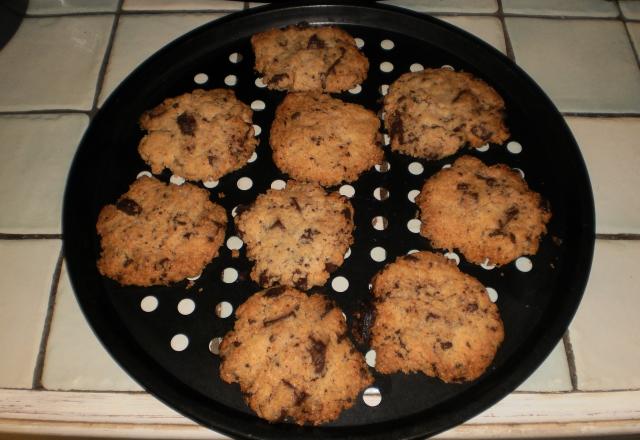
(536, 306)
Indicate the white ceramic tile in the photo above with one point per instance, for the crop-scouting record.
(462, 6)
(140, 36)
(584, 65)
(605, 333)
(75, 359)
(488, 29)
(612, 154)
(634, 31)
(630, 8)
(53, 63)
(552, 375)
(217, 5)
(572, 8)
(26, 273)
(37, 7)
(36, 153)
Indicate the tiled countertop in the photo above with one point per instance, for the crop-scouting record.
(67, 57)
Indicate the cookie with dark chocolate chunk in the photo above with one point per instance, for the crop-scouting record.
(292, 358)
(487, 212)
(201, 135)
(309, 58)
(432, 318)
(433, 113)
(157, 234)
(296, 236)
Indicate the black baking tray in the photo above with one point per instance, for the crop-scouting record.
(536, 306)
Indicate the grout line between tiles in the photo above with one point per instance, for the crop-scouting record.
(630, 237)
(602, 115)
(4, 236)
(44, 112)
(571, 361)
(135, 12)
(507, 40)
(46, 329)
(561, 17)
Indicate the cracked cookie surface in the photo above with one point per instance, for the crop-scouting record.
(292, 358)
(433, 113)
(318, 138)
(296, 236)
(432, 318)
(201, 135)
(487, 212)
(309, 58)
(157, 234)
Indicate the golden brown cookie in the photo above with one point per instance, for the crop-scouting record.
(201, 135)
(157, 234)
(292, 358)
(309, 58)
(487, 212)
(434, 319)
(296, 236)
(321, 139)
(433, 113)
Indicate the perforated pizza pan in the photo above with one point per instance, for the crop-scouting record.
(165, 337)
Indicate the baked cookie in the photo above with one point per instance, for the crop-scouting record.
(296, 236)
(201, 135)
(433, 113)
(317, 138)
(487, 212)
(309, 58)
(430, 317)
(292, 358)
(157, 234)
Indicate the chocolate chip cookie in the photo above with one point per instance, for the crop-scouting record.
(309, 58)
(296, 236)
(433, 113)
(487, 212)
(292, 357)
(157, 234)
(317, 138)
(201, 135)
(432, 318)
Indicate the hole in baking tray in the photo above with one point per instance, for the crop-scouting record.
(387, 139)
(244, 183)
(416, 67)
(253, 158)
(144, 173)
(195, 278)
(486, 265)
(378, 254)
(453, 256)
(483, 148)
(381, 193)
(176, 180)
(231, 80)
(359, 42)
(524, 264)
(383, 167)
(234, 211)
(519, 172)
(447, 67)
(224, 309)
(257, 130)
(387, 44)
(344, 316)
(411, 195)
(347, 254)
(179, 342)
(210, 183)
(347, 191)
(201, 78)
(186, 306)
(149, 303)
(372, 396)
(379, 223)
(259, 83)
(278, 184)
(412, 251)
(384, 89)
(258, 105)
(414, 225)
(446, 165)
(235, 57)
(493, 294)
(357, 89)
(234, 243)
(340, 284)
(370, 358)
(229, 275)
(514, 147)
(386, 66)
(415, 168)
(214, 345)
(382, 115)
